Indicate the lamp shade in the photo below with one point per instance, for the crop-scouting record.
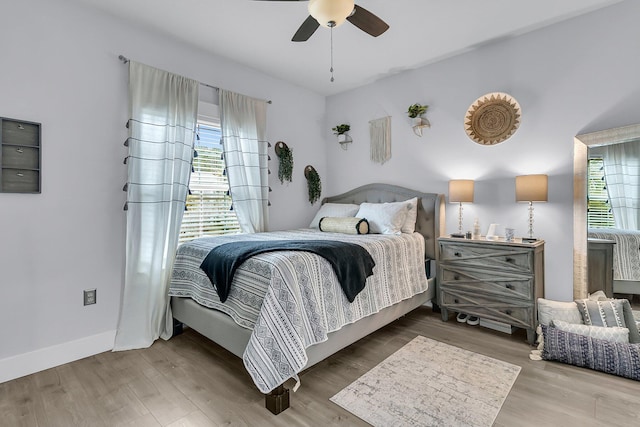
(461, 190)
(325, 11)
(531, 188)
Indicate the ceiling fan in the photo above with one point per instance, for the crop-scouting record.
(332, 13)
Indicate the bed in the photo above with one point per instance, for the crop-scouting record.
(277, 343)
(626, 258)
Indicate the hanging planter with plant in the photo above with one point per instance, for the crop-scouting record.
(341, 132)
(313, 183)
(285, 164)
(415, 112)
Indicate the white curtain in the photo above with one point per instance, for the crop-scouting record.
(380, 133)
(622, 172)
(244, 121)
(163, 109)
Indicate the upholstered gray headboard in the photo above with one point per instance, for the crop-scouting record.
(430, 220)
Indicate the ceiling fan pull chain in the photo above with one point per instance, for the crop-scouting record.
(331, 69)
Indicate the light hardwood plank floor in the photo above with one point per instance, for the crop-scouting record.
(190, 381)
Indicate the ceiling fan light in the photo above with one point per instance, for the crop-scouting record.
(326, 11)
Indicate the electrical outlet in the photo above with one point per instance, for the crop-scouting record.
(89, 296)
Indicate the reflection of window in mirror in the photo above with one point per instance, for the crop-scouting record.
(599, 214)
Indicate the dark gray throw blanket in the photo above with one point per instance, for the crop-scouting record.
(351, 263)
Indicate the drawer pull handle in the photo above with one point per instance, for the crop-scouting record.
(456, 277)
(20, 126)
(458, 254)
(20, 150)
(511, 260)
(509, 286)
(456, 301)
(508, 312)
(20, 174)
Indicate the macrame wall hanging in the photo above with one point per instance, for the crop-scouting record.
(380, 131)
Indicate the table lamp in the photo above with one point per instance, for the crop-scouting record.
(460, 191)
(531, 188)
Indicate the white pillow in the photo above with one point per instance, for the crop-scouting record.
(334, 210)
(549, 310)
(409, 225)
(612, 333)
(384, 218)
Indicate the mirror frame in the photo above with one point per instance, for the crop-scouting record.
(581, 143)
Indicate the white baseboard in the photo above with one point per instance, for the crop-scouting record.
(49, 357)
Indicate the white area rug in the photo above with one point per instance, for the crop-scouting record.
(429, 383)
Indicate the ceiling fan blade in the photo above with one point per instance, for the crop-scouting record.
(367, 21)
(306, 30)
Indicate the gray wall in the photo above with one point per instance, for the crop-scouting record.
(62, 70)
(574, 77)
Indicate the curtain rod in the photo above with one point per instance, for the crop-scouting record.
(124, 59)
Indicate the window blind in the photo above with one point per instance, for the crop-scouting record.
(599, 213)
(209, 204)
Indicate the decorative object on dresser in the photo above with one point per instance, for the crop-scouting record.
(460, 191)
(492, 118)
(494, 280)
(531, 188)
(20, 156)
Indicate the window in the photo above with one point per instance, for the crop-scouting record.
(209, 205)
(599, 213)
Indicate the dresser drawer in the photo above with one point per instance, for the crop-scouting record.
(513, 312)
(504, 258)
(485, 282)
(20, 133)
(20, 157)
(20, 181)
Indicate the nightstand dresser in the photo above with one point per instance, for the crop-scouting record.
(494, 280)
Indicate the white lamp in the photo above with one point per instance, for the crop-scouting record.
(531, 188)
(330, 13)
(460, 191)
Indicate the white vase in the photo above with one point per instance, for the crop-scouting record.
(342, 137)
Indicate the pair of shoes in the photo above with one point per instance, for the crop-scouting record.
(473, 320)
(462, 317)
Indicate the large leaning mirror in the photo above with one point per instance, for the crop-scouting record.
(582, 144)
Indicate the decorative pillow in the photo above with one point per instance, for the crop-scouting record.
(334, 209)
(602, 313)
(344, 225)
(549, 310)
(614, 333)
(409, 225)
(384, 218)
(628, 314)
(588, 352)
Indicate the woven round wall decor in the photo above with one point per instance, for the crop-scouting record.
(492, 118)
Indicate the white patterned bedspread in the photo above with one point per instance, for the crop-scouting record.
(292, 300)
(626, 251)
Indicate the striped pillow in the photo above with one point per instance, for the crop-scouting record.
(602, 313)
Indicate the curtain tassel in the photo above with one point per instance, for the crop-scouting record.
(195, 153)
(126, 187)
(268, 203)
(189, 190)
(224, 172)
(127, 124)
(126, 142)
(197, 137)
(270, 190)
(222, 156)
(125, 160)
(268, 157)
(269, 171)
(268, 144)
(126, 206)
(192, 169)
(231, 208)
(228, 192)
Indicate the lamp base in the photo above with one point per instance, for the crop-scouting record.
(529, 240)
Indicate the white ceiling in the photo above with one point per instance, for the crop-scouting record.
(258, 33)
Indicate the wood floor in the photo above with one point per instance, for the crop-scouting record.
(189, 381)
